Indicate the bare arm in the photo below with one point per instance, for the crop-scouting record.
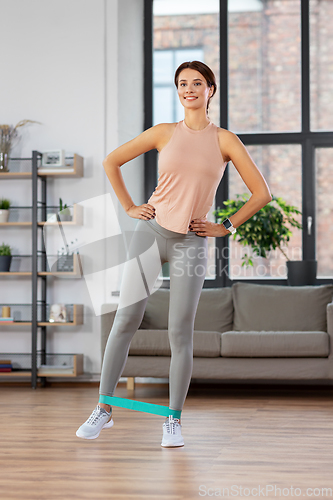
(234, 150)
(147, 140)
(252, 177)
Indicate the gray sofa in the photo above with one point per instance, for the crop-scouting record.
(246, 333)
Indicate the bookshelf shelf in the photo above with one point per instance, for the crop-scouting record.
(14, 273)
(15, 175)
(75, 171)
(22, 373)
(15, 224)
(49, 365)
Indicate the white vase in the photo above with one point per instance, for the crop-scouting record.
(4, 214)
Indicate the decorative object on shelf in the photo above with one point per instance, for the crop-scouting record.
(7, 135)
(65, 258)
(5, 258)
(53, 159)
(5, 312)
(65, 262)
(4, 209)
(266, 230)
(73, 167)
(58, 313)
(65, 213)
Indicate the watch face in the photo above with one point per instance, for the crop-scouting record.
(226, 223)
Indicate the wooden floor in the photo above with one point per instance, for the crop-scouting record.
(239, 437)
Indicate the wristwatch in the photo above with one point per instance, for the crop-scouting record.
(228, 225)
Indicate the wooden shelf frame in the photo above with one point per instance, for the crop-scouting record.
(23, 373)
(77, 220)
(75, 171)
(77, 370)
(77, 319)
(16, 273)
(76, 273)
(15, 224)
(15, 175)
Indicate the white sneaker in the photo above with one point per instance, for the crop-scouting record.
(98, 420)
(172, 433)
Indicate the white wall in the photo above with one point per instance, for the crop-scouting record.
(76, 66)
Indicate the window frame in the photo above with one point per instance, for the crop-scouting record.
(307, 139)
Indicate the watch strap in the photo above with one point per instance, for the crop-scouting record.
(228, 225)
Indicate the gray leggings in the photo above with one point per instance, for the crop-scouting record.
(150, 247)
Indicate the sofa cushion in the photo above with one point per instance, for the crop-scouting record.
(156, 343)
(157, 311)
(280, 308)
(215, 310)
(214, 313)
(275, 344)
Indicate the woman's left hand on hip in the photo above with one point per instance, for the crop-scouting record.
(207, 228)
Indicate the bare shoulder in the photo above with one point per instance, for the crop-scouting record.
(164, 133)
(227, 141)
(152, 138)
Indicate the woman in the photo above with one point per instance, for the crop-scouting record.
(193, 154)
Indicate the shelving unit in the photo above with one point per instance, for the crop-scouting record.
(72, 367)
(40, 271)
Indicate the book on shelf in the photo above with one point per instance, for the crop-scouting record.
(6, 320)
(6, 365)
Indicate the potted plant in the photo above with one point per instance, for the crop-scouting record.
(7, 135)
(65, 213)
(5, 258)
(4, 210)
(267, 230)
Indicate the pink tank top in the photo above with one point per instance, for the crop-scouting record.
(190, 168)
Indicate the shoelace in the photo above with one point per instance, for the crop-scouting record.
(95, 416)
(171, 424)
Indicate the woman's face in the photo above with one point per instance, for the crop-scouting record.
(193, 90)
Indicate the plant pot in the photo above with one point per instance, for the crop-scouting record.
(302, 272)
(5, 261)
(4, 214)
(65, 217)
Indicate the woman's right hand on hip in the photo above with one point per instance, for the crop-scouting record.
(144, 211)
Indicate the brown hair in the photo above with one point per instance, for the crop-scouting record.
(205, 70)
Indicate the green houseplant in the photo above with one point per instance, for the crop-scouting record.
(65, 213)
(266, 230)
(5, 258)
(4, 209)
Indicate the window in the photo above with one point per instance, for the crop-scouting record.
(275, 91)
(166, 105)
(178, 37)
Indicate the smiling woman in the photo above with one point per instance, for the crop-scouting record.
(191, 166)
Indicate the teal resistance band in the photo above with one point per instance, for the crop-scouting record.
(131, 404)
